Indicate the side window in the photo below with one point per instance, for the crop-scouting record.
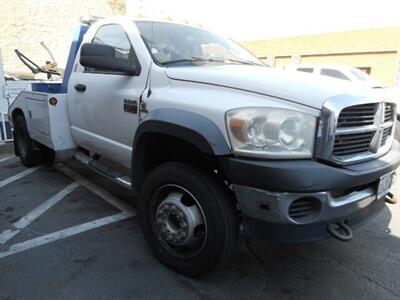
(307, 70)
(334, 73)
(115, 36)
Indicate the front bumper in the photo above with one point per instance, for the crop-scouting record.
(316, 231)
(267, 189)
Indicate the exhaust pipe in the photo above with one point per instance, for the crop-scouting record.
(390, 198)
(340, 231)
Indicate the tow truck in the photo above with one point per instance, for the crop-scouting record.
(216, 143)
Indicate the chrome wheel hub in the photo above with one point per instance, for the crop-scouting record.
(178, 219)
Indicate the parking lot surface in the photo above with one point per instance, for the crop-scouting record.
(67, 233)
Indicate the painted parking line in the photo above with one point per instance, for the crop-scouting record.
(6, 235)
(78, 180)
(61, 234)
(18, 176)
(6, 158)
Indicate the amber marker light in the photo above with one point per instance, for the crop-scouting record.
(53, 101)
(237, 129)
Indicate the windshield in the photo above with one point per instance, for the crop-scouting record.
(171, 43)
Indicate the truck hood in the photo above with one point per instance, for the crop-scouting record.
(303, 88)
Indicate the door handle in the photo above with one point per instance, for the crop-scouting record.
(80, 87)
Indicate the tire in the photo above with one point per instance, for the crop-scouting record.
(195, 193)
(30, 152)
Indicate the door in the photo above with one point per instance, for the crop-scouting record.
(103, 105)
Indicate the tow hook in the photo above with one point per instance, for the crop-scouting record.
(340, 231)
(390, 198)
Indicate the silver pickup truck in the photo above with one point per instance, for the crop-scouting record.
(216, 143)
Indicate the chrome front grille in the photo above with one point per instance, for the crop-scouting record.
(388, 112)
(346, 144)
(357, 115)
(352, 133)
(386, 135)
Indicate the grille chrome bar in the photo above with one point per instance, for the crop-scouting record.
(387, 124)
(360, 129)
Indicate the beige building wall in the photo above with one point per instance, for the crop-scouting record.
(25, 23)
(377, 49)
(383, 65)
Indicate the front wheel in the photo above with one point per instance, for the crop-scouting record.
(188, 219)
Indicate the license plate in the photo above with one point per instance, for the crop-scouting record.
(385, 182)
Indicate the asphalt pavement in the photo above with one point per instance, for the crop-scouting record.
(67, 233)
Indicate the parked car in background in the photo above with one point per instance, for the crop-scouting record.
(341, 72)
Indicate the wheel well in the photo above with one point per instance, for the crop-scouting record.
(17, 112)
(154, 149)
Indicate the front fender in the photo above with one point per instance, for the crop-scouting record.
(190, 127)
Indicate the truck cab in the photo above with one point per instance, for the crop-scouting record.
(216, 143)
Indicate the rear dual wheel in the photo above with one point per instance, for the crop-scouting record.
(30, 152)
(188, 219)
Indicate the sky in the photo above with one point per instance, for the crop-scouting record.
(257, 19)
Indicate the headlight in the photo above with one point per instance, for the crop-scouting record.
(271, 132)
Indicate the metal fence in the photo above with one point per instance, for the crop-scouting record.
(5, 129)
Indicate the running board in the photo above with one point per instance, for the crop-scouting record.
(101, 168)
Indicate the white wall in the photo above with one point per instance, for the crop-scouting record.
(25, 23)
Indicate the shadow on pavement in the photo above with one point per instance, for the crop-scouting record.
(368, 267)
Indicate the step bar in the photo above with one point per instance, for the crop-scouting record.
(101, 168)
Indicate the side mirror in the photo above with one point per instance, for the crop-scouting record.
(103, 57)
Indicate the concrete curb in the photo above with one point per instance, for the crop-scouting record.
(7, 148)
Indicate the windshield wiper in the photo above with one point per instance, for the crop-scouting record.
(244, 62)
(210, 59)
(176, 61)
(193, 59)
(224, 60)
